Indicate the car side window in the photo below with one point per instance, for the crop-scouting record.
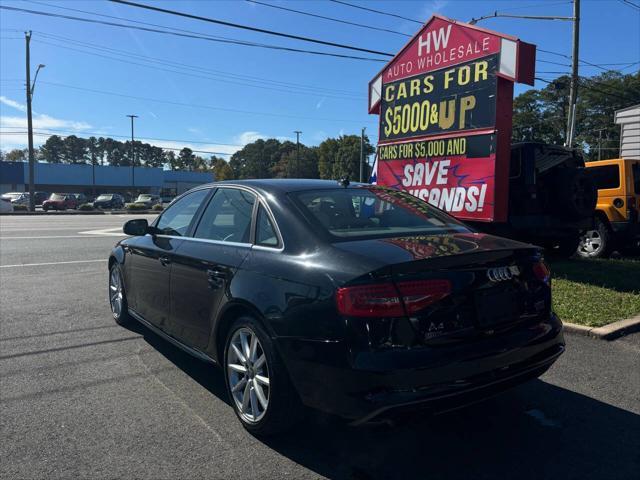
(176, 219)
(635, 168)
(227, 218)
(266, 235)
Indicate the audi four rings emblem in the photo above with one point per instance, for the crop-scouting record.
(500, 274)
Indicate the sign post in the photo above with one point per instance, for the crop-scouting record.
(445, 104)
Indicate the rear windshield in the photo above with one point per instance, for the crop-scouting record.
(104, 197)
(370, 212)
(607, 176)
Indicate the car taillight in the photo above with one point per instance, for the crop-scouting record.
(389, 300)
(418, 294)
(377, 300)
(542, 272)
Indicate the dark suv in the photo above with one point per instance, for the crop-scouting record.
(109, 200)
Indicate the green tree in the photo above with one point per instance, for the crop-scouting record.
(17, 155)
(93, 149)
(221, 169)
(75, 150)
(53, 150)
(186, 159)
(327, 154)
(541, 115)
(340, 157)
(292, 166)
(257, 159)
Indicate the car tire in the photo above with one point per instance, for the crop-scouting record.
(262, 377)
(596, 243)
(117, 296)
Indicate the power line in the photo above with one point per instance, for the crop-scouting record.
(376, 11)
(338, 20)
(288, 90)
(630, 4)
(205, 107)
(313, 88)
(250, 28)
(185, 35)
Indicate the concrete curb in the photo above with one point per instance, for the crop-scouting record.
(608, 332)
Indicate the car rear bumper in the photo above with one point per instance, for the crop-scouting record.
(365, 385)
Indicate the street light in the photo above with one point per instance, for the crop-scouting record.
(30, 89)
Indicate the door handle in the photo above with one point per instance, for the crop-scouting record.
(164, 261)
(216, 278)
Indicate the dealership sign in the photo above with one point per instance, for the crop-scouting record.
(445, 104)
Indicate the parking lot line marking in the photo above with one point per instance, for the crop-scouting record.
(52, 263)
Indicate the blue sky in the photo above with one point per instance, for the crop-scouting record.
(235, 94)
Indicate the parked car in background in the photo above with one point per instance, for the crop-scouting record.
(17, 198)
(351, 299)
(617, 221)
(60, 201)
(5, 205)
(81, 198)
(109, 200)
(40, 197)
(148, 200)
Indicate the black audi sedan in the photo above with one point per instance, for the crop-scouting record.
(356, 300)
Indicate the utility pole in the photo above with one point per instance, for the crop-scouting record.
(133, 161)
(573, 92)
(362, 153)
(32, 196)
(30, 88)
(297, 132)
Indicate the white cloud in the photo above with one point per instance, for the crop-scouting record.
(44, 122)
(248, 137)
(18, 124)
(13, 104)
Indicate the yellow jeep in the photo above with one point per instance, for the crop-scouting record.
(616, 222)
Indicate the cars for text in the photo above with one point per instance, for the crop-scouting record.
(355, 300)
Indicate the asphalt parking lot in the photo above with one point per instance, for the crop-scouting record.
(83, 398)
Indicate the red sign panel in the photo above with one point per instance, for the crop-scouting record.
(451, 78)
(441, 45)
(454, 174)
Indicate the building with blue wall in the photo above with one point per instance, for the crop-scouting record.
(84, 178)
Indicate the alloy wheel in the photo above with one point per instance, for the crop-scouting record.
(591, 242)
(248, 375)
(115, 292)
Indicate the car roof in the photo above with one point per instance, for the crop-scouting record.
(286, 185)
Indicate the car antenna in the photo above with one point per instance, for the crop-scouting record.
(344, 181)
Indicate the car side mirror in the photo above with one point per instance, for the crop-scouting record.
(137, 227)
